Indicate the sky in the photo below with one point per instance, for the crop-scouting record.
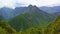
(22, 3)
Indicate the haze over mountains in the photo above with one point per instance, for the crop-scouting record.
(56, 8)
(9, 13)
(52, 10)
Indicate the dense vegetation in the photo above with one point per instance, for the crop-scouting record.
(31, 21)
(5, 28)
(54, 26)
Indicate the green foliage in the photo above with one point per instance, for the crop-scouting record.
(30, 30)
(6, 27)
(2, 31)
(54, 26)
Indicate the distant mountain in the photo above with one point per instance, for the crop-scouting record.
(52, 10)
(7, 13)
(56, 8)
(56, 13)
(31, 17)
(48, 9)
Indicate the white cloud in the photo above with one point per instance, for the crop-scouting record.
(13, 3)
(40, 2)
(27, 2)
(7, 3)
(49, 2)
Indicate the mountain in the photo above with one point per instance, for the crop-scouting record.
(54, 26)
(48, 9)
(18, 10)
(56, 8)
(6, 13)
(1, 17)
(56, 13)
(31, 17)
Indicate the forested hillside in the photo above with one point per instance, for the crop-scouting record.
(54, 26)
(5, 28)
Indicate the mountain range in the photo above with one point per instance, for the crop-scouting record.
(52, 10)
(29, 20)
(32, 16)
(56, 8)
(8, 13)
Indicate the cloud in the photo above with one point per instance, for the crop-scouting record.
(48, 2)
(27, 2)
(40, 2)
(14, 3)
(7, 3)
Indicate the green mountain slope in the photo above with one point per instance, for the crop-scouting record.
(54, 26)
(1, 18)
(31, 17)
(5, 28)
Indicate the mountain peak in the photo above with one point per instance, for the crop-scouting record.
(30, 6)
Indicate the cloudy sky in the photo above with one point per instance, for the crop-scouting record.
(39, 3)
